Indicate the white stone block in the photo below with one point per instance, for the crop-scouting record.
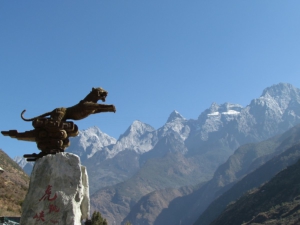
(58, 192)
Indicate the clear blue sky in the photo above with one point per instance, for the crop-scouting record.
(153, 57)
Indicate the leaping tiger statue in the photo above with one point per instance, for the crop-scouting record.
(83, 109)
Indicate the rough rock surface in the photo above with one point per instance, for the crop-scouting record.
(58, 192)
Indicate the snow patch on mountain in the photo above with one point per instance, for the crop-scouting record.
(229, 112)
(213, 114)
(216, 117)
(224, 109)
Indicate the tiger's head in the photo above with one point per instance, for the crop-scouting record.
(99, 93)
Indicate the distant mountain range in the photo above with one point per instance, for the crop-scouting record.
(147, 175)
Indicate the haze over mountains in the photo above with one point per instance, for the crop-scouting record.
(129, 176)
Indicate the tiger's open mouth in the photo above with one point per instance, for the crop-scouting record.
(102, 96)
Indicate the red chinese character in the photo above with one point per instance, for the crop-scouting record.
(48, 193)
(39, 217)
(53, 208)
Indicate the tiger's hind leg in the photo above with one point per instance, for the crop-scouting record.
(58, 114)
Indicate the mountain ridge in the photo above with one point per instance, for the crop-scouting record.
(205, 143)
(224, 133)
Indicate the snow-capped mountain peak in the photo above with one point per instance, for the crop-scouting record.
(94, 134)
(175, 123)
(280, 90)
(89, 141)
(137, 128)
(175, 116)
(139, 137)
(281, 95)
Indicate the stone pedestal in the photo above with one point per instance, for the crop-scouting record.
(58, 192)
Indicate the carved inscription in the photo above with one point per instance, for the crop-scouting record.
(48, 196)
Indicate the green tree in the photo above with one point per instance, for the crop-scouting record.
(128, 223)
(97, 219)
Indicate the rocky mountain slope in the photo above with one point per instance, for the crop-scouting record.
(182, 152)
(256, 178)
(171, 170)
(14, 184)
(245, 159)
(276, 202)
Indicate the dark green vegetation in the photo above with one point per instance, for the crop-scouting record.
(276, 202)
(14, 184)
(97, 219)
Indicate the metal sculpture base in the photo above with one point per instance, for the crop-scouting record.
(51, 136)
(33, 157)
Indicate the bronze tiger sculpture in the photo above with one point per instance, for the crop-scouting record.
(83, 109)
(52, 129)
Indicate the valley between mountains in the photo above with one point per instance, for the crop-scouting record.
(189, 170)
